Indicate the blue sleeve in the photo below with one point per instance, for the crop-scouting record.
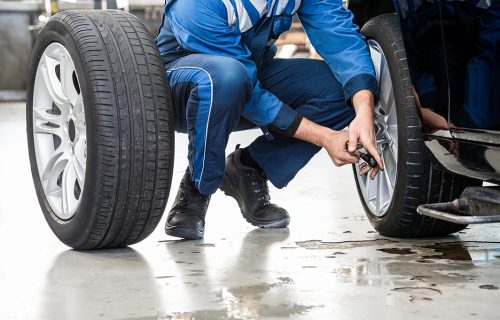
(202, 27)
(337, 39)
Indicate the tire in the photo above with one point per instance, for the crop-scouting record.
(115, 118)
(417, 180)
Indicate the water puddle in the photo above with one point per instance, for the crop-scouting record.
(318, 244)
(400, 251)
(419, 294)
(465, 251)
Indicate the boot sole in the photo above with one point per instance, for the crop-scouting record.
(229, 192)
(184, 233)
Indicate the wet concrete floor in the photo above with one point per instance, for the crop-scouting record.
(328, 264)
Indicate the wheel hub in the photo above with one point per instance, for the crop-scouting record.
(71, 130)
(59, 131)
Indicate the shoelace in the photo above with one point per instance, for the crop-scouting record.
(188, 194)
(185, 196)
(259, 187)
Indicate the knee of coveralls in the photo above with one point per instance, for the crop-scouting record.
(209, 93)
(321, 101)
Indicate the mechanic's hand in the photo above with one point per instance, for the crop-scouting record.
(336, 146)
(362, 129)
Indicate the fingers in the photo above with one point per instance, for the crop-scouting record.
(345, 154)
(374, 173)
(343, 157)
(370, 147)
(353, 140)
(346, 158)
(364, 169)
(339, 154)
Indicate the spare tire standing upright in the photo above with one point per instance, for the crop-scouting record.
(99, 125)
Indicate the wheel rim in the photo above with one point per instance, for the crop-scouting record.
(378, 193)
(59, 131)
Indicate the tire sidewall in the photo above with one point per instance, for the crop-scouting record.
(77, 227)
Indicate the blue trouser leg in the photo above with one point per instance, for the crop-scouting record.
(309, 87)
(209, 93)
(482, 89)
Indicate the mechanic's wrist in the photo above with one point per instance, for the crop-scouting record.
(313, 133)
(326, 137)
(363, 101)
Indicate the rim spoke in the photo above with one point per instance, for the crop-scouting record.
(377, 182)
(389, 183)
(79, 173)
(45, 128)
(67, 84)
(69, 179)
(52, 174)
(367, 186)
(79, 163)
(377, 60)
(391, 119)
(78, 106)
(52, 83)
(389, 168)
(387, 103)
(392, 135)
(42, 114)
(385, 84)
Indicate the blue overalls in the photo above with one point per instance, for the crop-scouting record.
(475, 76)
(220, 67)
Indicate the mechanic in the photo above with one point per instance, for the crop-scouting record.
(221, 69)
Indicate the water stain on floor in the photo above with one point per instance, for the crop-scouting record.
(488, 287)
(199, 314)
(319, 244)
(464, 251)
(419, 294)
(245, 302)
(400, 251)
(205, 245)
(449, 251)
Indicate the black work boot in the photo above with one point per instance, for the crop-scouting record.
(186, 219)
(249, 188)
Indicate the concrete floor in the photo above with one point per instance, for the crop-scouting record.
(328, 264)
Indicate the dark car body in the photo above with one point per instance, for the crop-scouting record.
(463, 150)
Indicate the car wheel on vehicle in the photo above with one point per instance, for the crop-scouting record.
(99, 126)
(410, 178)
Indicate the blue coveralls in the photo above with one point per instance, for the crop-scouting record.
(220, 73)
(475, 101)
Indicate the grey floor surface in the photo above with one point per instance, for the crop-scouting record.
(329, 264)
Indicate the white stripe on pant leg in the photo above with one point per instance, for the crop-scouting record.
(209, 113)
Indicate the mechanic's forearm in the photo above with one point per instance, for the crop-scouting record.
(313, 133)
(363, 101)
(309, 131)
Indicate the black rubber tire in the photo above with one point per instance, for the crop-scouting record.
(129, 120)
(417, 181)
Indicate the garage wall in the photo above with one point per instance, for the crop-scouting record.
(15, 48)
